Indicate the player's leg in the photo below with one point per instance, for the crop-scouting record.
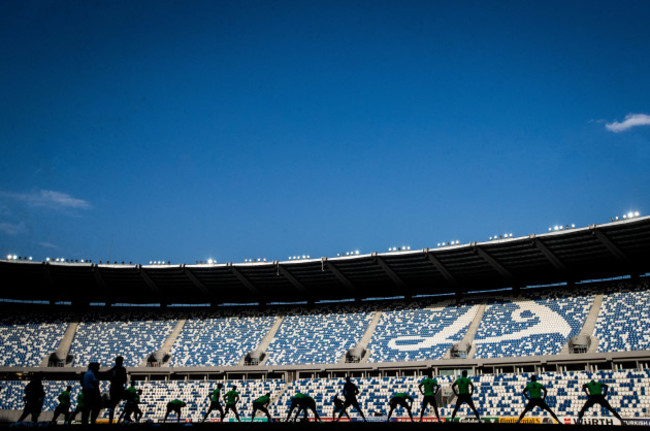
(392, 407)
(234, 409)
(459, 401)
(545, 406)
(357, 406)
(471, 406)
(603, 402)
(205, 416)
(425, 403)
(408, 409)
(529, 405)
(590, 402)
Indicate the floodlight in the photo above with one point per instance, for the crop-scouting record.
(636, 214)
(356, 252)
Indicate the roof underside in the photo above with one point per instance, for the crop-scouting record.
(610, 250)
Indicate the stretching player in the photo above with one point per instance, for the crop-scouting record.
(215, 403)
(232, 398)
(400, 399)
(596, 393)
(533, 393)
(350, 392)
(295, 402)
(79, 409)
(306, 403)
(262, 404)
(464, 388)
(174, 406)
(431, 388)
(64, 405)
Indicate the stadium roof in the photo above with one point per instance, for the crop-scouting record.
(598, 251)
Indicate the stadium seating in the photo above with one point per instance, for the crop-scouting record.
(497, 395)
(316, 338)
(26, 339)
(624, 320)
(102, 336)
(532, 324)
(415, 331)
(207, 339)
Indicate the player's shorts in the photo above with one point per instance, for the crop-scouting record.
(464, 398)
(351, 402)
(215, 405)
(595, 399)
(258, 406)
(536, 402)
(429, 399)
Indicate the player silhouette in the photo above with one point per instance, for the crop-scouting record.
(596, 393)
(400, 399)
(232, 398)
(214, 396)
(350, 392)
(464, 388)
(174, 406)
(64, 405)
(431, 388)
(535, 393)
(261, 404)
(34, 397)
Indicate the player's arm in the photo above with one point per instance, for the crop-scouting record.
(471, 388)
(437, 389)
(545, 392)
(525, 393)
(605, 389)
(585, 390)
(453, 388)
(420, 388)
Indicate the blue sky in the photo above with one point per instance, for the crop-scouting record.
(188, 130)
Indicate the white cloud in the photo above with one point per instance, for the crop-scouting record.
(631, 120)
(49, 199)
(48, 245)
(12, 228)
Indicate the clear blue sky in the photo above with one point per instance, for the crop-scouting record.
(188, 130)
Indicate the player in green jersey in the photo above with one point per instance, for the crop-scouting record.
(232, 398)
(464, 388)
(400, 399)
(64, 405)
(596, 393)
(174, 406)
(295, 402)
(429, 387)
(262, 404)
(214, 396)
(80, 407)
(535, 393)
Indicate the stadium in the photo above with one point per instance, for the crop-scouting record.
(568, 306)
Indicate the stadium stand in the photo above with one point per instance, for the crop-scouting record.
(624, 321)
(27, 338)
(496, 395)
(532, 324)
(207, 339)
(415, 331)
(134, 335)
(308, 337)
